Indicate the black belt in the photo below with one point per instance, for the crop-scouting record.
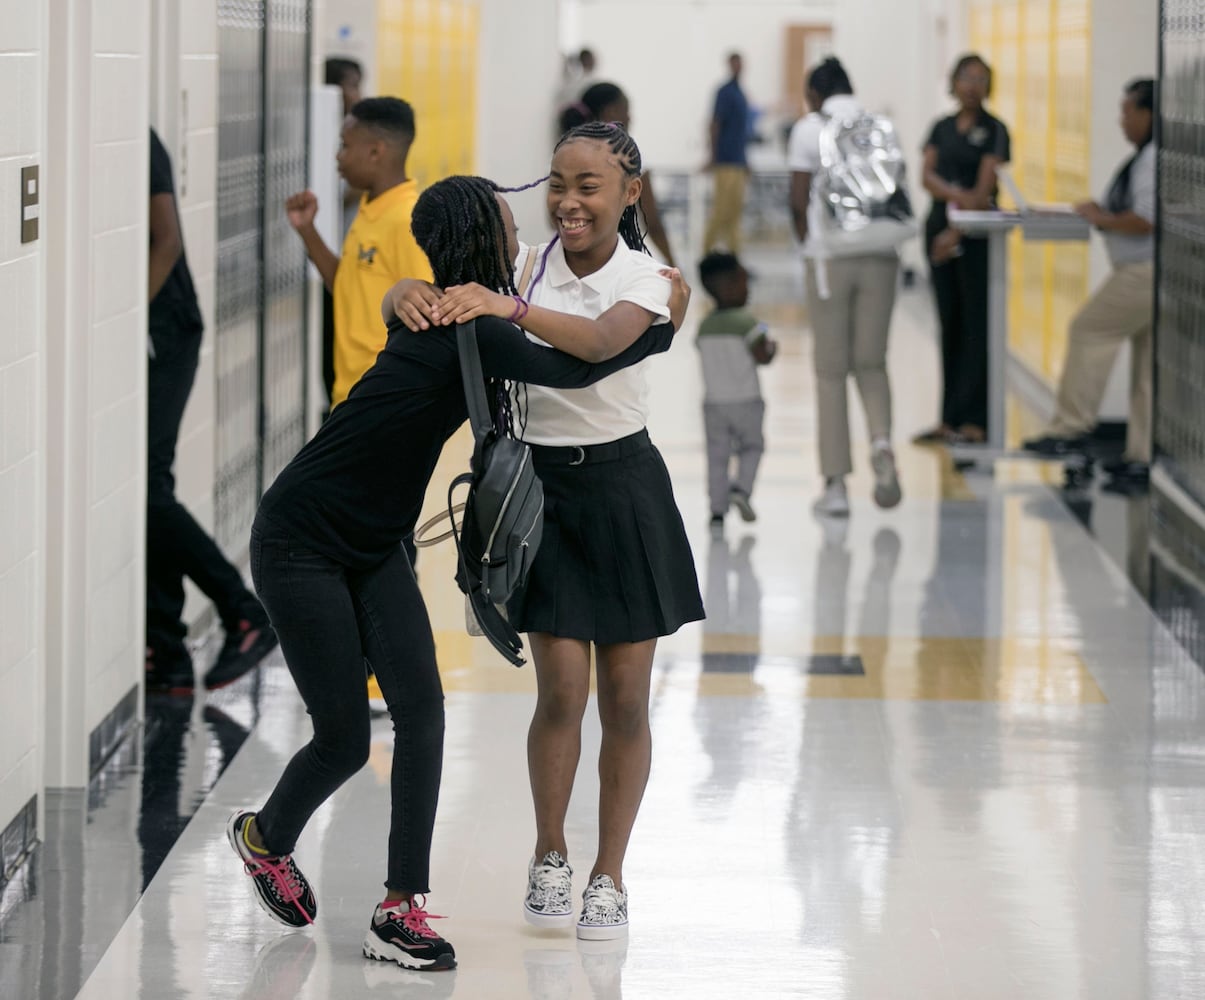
(583, 454)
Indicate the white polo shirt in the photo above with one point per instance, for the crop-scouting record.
(618, 405)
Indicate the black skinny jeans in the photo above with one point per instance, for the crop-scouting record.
(176, 546)
(330, 620)
(960, 288)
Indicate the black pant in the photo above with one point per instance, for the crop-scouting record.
(176, 546)
(330, 620)
(960, 287)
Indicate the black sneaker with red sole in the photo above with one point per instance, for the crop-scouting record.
(241, 653)
(169, 674)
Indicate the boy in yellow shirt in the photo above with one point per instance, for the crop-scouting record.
(379, 249)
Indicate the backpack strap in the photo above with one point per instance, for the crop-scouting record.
(474, 384)
(528, 267)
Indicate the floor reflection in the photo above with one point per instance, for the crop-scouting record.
(83, 880)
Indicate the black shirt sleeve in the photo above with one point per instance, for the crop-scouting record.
(161, 168)
(507, 353)
(1002, 147)
(935, 135)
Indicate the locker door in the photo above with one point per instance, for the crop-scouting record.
(239, 290)
(286, 83)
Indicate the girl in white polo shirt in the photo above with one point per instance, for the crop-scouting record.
(614, 568)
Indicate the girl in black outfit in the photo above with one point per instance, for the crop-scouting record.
(328, 565)
(961, 157)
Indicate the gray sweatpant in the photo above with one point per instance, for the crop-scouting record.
(732, 429)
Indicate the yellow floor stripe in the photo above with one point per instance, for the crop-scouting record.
(1039, 671)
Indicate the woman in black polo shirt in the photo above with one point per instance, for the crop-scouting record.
(961, 157)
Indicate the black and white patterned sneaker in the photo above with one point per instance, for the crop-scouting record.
(280, 889)
(604, 911)
(549, 901)
(401, 934)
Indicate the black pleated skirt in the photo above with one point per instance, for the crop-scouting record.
(614, 564)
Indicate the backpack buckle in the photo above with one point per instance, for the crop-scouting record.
(581, 454)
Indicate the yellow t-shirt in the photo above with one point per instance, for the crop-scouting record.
(378, 252)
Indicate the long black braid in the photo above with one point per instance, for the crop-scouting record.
(628, 153)
(458, 225)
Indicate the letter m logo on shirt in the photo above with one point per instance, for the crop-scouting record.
(367, 254)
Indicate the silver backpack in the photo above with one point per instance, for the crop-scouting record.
(865, 208)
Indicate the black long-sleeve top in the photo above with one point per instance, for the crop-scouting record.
(356, 489)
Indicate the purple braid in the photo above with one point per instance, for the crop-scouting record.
(525, 187)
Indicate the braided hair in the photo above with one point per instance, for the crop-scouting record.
(625, 149)
(458, 225)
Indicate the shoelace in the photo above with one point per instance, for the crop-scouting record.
(415, 919)
(286, 880)
(550, 878)
(601, 902)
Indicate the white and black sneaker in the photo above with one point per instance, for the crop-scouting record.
(400, 933)
(604, 911)
(549, 901)
(280, 889)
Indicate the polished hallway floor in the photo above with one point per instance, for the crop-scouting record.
(945, 751)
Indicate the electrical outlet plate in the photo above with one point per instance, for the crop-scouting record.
(30, 196)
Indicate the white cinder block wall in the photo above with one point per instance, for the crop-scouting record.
(22, 399)
(96, 248)
(116, 412)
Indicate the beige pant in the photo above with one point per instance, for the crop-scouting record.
(727, 205)
(850, 327)
(1122, 308)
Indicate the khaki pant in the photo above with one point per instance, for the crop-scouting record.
(727, 205)
(850, 327)
(1121, 309)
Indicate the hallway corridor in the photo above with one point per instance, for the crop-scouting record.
(943, 752)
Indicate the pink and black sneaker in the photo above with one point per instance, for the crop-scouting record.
(400, 933)
(280, 888)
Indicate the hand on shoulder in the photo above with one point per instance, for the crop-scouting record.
(462, 303)
(679, 296)
(413, 302)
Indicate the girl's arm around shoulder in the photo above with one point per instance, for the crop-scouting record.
(593, 340)
(507, 353)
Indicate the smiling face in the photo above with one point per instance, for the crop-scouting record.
(588, 191)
